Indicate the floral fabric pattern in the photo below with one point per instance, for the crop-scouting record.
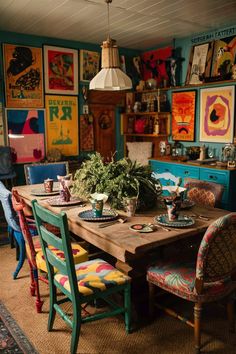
(94, 276)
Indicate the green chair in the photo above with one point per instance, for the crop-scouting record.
(81, 283)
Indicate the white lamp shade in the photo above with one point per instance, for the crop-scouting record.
(110, 79)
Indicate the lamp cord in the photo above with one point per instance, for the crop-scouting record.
(108, 18)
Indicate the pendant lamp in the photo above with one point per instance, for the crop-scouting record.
(111, 77)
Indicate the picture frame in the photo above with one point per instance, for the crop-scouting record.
(60, 70)
(2, 127)
(183, 115)
(223, 58)
(61, 123)
(217, 114)
(199, 63)
(25, 128)
(89, 64)
(23, 74)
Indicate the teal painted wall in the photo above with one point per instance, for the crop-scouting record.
(186, 45)
(36, 41)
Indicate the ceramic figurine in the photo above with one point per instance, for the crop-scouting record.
(202, 153)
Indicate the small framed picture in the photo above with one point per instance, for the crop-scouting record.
(89, 64)
(61, 70)
(199, 64)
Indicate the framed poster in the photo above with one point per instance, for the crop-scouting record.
(217, 114)
(224, 55)
(89, 64)
(183, 115)
(2, 128)
(199, 64)
(86, 132)
(26, 134)
(23, 76)
(61, 70)
(62, 124)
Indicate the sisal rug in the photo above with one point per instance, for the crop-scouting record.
(12, 338)
(165, 335)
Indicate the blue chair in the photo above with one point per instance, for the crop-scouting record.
(13, 225)
(37, 173)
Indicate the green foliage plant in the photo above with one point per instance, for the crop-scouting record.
(118, 179)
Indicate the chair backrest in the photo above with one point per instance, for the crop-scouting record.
(203, 192)
(10, 215)
(216, 259)
(37, 173)
(19, 205)
(65, 266)
(6, 167)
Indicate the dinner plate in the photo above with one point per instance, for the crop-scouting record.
(59, 202)
(142, 228)
(107, 215)
(41, 192)
(182, 221)
(187, 204)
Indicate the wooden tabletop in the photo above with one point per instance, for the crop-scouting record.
(118, 240)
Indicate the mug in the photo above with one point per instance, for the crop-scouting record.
(97, 207)
(130, 204)
(48, 185)
(173, 207)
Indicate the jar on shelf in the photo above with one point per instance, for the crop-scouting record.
(156, 128)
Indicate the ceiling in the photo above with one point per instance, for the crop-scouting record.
(137, 24)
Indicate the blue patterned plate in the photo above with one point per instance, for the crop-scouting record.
(107, 215)
(182, 221)
(40, 192)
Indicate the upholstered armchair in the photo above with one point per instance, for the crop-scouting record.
(203, 192)
(211, 278)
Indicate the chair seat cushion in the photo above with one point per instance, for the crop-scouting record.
(79, 253)
(94, 276)
(179, 279)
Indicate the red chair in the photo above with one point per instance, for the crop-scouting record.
(34, 251)
(212, 278)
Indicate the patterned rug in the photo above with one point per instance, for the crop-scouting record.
(12, 339)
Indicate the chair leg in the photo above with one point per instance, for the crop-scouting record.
(75, 329)
(20, 240)
(127, 304)
(197, 326)
(32, 285)
(152, 291)
(38, 302)
(53, 300)
(230, 314)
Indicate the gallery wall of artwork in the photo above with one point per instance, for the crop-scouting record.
(41, 95)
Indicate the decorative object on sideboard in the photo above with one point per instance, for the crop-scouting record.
(202, 153)
(193, 152)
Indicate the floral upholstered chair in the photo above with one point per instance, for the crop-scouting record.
(203, 192)
(212, 278)
(34, 251)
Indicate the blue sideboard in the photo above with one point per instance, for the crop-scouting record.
(206, 173)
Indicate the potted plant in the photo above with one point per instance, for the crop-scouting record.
(118, 179)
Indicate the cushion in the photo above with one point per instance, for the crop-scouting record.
(93, 277)
(139, 151)
(179, 279)
(79, 253)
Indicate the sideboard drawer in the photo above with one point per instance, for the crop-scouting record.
(186, 171)
(160, 167)
(221, 177)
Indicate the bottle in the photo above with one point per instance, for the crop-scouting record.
(156, 129)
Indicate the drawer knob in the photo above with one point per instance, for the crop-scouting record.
(186, 172)
(213, 177)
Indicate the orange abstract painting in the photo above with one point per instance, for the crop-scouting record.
(183, 115)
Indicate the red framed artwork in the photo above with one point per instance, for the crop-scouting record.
(61, 70)
(183, 115)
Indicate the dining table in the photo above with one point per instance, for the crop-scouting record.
(130, 248)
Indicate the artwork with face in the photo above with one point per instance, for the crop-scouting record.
(217, 114)
(183, 115)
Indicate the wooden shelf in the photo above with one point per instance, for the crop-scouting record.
(146, 135)
(146, 113)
